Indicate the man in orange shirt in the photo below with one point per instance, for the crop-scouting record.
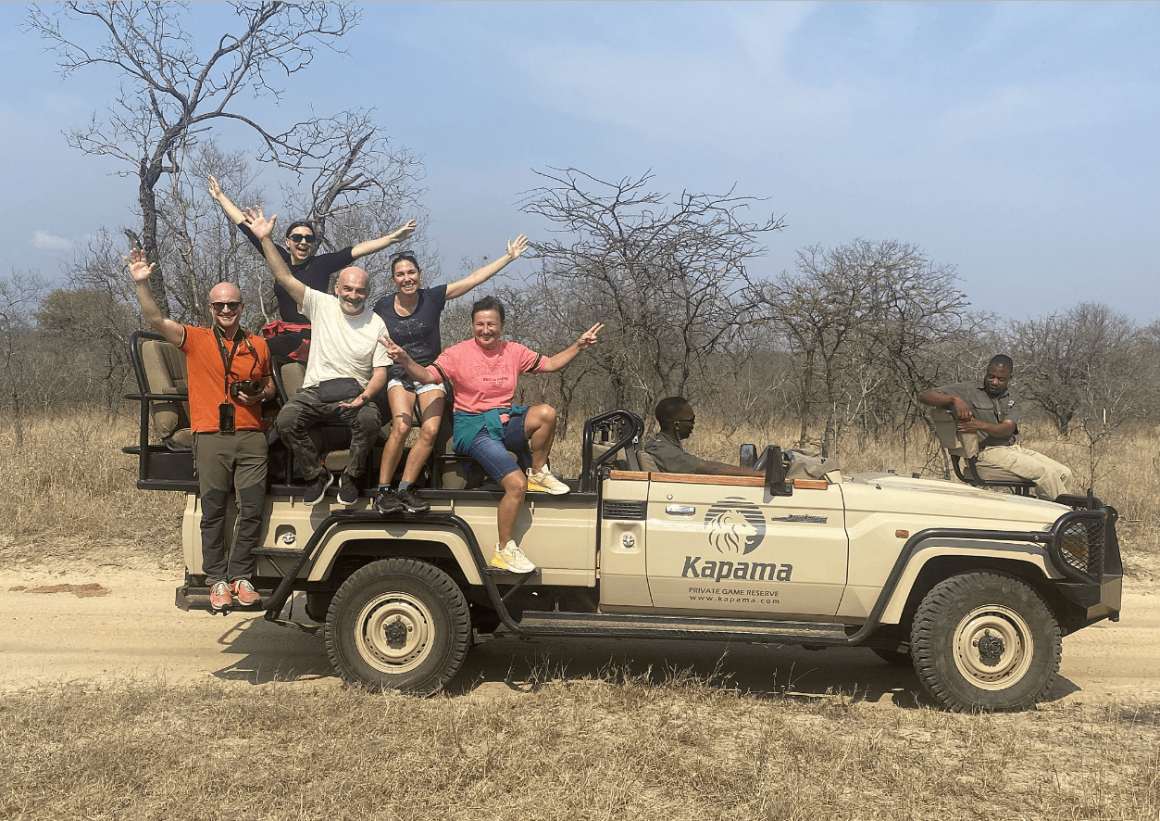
(229, 378)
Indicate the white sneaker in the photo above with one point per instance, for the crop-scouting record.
(545, 482)
(511, 558)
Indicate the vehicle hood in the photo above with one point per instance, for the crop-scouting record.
(939, 503)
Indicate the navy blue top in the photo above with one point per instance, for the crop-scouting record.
(314, 273)
(417, 334)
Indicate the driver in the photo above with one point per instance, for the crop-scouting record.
(676, 418)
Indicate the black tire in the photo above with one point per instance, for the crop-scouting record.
(895, 658)
(985, 642)
(398, 624)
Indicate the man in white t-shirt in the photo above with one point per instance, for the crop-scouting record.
(347, 367)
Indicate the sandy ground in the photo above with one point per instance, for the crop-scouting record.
(65, 628)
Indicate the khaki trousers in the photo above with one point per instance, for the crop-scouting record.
(1050, 476)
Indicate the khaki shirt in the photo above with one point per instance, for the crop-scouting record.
(670, 456)
(986, 408)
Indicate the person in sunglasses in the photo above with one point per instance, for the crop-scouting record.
(229, 378)
(412, 318)
(676, 419)
(347, 367)
(289, 337)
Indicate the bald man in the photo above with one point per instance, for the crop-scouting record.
(347, 367)
(229, 378)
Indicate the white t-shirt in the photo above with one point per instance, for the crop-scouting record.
(341, 345)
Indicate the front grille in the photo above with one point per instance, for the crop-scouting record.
(633, 511)
(1082, 546)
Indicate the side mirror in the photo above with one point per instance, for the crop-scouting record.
(748, 456)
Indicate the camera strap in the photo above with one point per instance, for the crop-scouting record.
(228, 358)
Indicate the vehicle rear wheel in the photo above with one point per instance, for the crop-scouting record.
(398, 624)
(985, 641)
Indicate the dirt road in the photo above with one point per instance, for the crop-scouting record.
(66, 629)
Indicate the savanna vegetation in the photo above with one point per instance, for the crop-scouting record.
(828, 357)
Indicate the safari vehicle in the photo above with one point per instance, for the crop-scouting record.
(974, 588)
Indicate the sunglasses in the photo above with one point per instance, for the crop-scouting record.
(307, 238)
(407, 255)
(221, 306)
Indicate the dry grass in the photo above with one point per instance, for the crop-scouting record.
(70, 485)
(615, 748)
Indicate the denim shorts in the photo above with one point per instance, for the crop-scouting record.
(416, 387)
(493, 454)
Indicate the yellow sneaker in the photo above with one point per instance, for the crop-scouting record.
(512, 559)
(545, 482)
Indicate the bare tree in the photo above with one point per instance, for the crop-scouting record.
(862, 318)
(1069, 363)
(169, 93)
(666, 278)
(19, 294)
(1090, 365)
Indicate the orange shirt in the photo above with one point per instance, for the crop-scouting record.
(207, 378)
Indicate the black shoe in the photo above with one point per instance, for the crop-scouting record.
(316, 490)
(347, 491)
(387, 502)
(413, 502)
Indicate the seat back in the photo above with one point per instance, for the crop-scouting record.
(165, 373)
(964, 452)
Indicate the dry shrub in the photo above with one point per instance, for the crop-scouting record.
(70, 482)
(682, 749)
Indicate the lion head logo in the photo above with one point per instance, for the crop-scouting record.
(735, 526)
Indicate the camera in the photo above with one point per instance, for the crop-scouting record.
(250, 387)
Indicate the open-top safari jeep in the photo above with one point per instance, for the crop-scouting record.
(972, 587)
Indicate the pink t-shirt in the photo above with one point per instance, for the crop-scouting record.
(486, 379)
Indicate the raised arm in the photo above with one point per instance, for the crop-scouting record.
(141, 270)
(232, 211)
(956, 404)
(373, 246)
(263, 229)
(482, 275)
(418, 372)
(564, 357)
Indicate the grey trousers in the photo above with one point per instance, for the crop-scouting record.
(225, 462)
(305, 410)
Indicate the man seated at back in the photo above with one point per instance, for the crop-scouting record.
(990, 411)
(676, 418)
(347, 367)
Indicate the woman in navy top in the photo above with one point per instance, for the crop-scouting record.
(412, 318)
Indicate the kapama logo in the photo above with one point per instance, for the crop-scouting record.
(735, 526)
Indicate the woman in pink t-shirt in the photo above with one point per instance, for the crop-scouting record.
(484, 371)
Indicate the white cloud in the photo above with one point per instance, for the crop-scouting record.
(49, 242)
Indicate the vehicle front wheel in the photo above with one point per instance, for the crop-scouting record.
(398, 624)
(985, 641)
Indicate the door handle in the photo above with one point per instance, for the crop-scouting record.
(681, 510)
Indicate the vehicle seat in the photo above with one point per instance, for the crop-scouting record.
(964, 453)
(165, 373)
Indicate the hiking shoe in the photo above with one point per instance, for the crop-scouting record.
(347, 491)
(413, 502)
(219, 596)
(316, 490)
(245, 593)
(512, 559)
(545, 482)
(387, 502)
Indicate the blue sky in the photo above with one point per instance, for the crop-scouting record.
(1016, 141)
